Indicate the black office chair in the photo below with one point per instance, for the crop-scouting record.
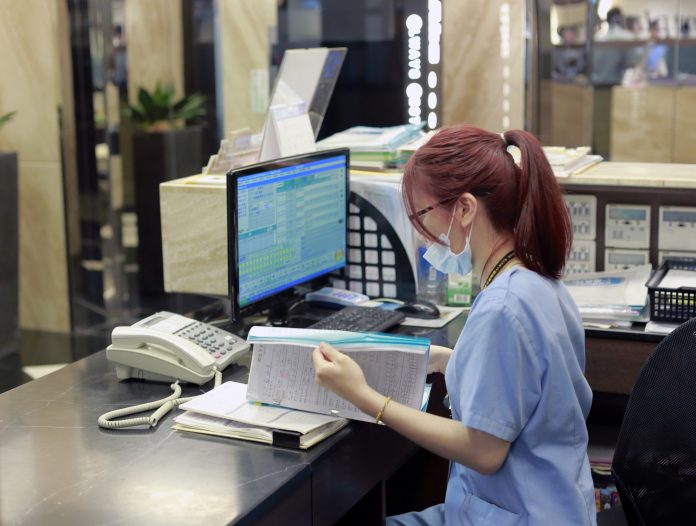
(654, 464)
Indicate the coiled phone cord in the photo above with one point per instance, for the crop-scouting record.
(162, 407)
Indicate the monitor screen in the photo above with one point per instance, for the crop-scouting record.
(287, 225)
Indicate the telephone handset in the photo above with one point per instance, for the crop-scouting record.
(166, 347)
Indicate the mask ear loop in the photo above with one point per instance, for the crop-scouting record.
(468, 236)
(449, 229)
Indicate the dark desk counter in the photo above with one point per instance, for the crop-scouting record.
(57, 467)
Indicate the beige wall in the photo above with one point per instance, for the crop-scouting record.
(483, 82)
(154, 36)
(570, 113)
(653, 124)
(684, 131)
(245, 53)
(642, 124)
(34, 59)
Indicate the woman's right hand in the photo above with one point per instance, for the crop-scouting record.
(439, 356)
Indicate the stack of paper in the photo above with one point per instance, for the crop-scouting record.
(239, 148)
(568, 161)
(405, 152)
(565, 161)
(372, 147)
(611, 296)
(677, 279)
(225, 411)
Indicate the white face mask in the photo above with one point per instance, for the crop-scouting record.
(443, 259)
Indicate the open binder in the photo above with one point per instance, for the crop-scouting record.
(225, 411)
(282, 371)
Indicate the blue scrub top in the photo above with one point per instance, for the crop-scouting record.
(517, 373)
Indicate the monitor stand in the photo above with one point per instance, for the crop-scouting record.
(278, 314)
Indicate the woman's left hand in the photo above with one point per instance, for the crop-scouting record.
(338, 373)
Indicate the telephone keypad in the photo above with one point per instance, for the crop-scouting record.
(218, 343)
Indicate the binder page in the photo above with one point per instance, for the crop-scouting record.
(229, 401)
(283, 373)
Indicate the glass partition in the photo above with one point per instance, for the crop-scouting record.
(620, 77)
(120, 163)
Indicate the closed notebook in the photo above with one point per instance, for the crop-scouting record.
(225, 411)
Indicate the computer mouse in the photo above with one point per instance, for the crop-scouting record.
(420, 309)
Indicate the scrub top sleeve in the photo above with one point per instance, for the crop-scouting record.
(498, 373)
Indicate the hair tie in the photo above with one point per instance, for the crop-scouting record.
(502, 136)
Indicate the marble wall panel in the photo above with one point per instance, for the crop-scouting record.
(685, 125)
(34, 66)
(483, 63)
(642, 124)
(571, 114)
(31, 79)
(545, 114)
(154, 36)
(194, 245)
(43, 283)
(245, 27)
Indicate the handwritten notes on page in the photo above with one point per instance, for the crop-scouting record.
(282, 372)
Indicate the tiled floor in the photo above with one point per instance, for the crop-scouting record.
(11, 374)
(36, 353)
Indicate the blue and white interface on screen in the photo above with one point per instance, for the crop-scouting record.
(291, 226)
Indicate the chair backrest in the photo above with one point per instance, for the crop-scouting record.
(654, 463)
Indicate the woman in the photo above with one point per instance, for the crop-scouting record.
(517, 438)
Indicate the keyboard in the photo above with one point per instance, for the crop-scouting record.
(360, 319)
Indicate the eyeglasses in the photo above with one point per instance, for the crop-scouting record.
(423, 211)
(478, 192)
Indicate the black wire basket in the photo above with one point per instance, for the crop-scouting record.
(668, 304)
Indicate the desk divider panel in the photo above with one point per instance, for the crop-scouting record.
(378, 264)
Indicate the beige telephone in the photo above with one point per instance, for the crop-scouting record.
(166, 347)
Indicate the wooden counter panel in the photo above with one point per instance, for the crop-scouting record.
(612, 365)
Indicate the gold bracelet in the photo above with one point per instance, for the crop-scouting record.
(378, 418)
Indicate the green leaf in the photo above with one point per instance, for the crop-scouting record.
(163, 95)
(195, 104)
(138, 115)
(147, 103)
(158, 105)
(4, 119)
(186, 115)
(190, 101)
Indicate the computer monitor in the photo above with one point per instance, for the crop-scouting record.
(286, 227)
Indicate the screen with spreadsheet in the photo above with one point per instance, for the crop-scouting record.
(289, 224)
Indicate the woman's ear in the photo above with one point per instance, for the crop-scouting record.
(468, 205)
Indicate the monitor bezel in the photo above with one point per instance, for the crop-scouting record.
(237, 312)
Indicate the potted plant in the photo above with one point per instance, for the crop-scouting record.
(10, 244)
(165, 147)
